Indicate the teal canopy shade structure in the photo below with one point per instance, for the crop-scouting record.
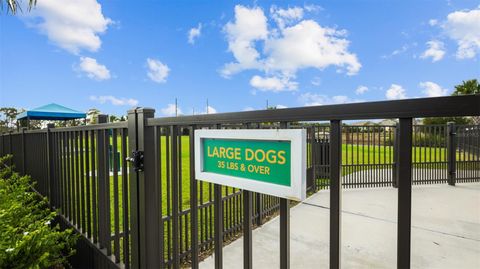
(51, 112)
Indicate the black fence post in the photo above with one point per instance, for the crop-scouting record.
(175, 196)
(134, 212)
(50, 166)
(313, 157)
(102, 162)
(451, 153)
(335, 193)
(10, 149)
(395, 156)
(284, 226)
(193, 202)
(247, 230)
(144, 193)
(404, 193)
(24, 150)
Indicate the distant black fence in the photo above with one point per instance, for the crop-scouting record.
(440, 153)
(161, 217)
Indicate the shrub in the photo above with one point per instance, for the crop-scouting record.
(28, 238)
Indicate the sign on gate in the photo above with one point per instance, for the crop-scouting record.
(265, 161)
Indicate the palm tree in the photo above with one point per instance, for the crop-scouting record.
(13, 5)
(468, 87)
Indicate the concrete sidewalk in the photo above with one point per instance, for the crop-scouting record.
(445, 231)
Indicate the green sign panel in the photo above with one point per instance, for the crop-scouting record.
(260, 160)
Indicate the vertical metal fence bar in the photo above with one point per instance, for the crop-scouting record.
(134, 192)
(218, 229)
(94, 159)
(150, 194)
(88, 189)
(116, 204)
(168, 191)
(157, 142)
(125, 199)
(175, 200)
(102, 144)
(180, 190)
(50, 167)
(63, 173)
(404, 193)
(284, 226)
(24, 152)
(193, 202)
(284, 233)
(247, 230)
(335, 193)
(69, 177)
(76, 179)
(395, 156)
(106, 186)
(82, 183)
(218, 222)
(451, 153)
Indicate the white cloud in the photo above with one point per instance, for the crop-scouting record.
(280, 106)
(433, 22)
(312, 8)
(273, 84)
(314, 99)
(157, 71)
(435, 50)
(464, 28)
(296, 44)
(194, 33)
(432, 89)
(287, 16)
(361, 90)
(210, 110)
(399, 51)
(72, 25)
(395, 92)
(250, 25)
(114, 100)
(93, 69)
(307, 44)
(249, 108)
(170, 110)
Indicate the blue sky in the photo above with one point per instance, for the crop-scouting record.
(113, 55)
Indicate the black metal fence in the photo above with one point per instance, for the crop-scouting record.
(161, 217)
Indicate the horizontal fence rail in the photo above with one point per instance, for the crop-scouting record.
(160, 216)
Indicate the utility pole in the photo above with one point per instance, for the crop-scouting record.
(176, 107)
(207, 105)
(267, 105)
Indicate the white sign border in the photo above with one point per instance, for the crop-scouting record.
(297, 138)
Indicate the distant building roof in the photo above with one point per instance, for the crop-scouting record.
(51, 112)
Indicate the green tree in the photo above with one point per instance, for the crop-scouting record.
(8, 117)
(113, 118)
(467, 87)
(444, 120)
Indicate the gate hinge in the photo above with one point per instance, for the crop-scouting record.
(136, 160)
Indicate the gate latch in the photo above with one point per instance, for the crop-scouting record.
(137, 160)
